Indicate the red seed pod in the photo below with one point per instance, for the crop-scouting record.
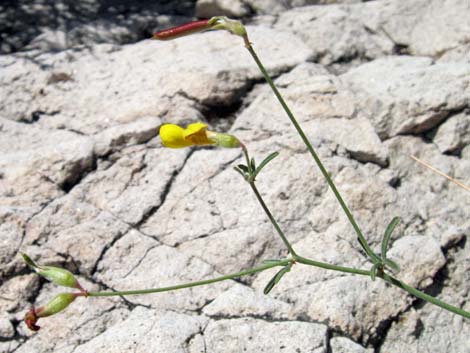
(183, 30)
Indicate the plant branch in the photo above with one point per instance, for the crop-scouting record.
(273, 221)
(417, 293)
(192, 284)
(310, 148)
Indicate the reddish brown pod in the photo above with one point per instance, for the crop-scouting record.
(183, 30)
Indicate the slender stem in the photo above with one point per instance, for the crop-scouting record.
(327, 266)
(192, 284)
(247, 157)
(273, 221)
(417, 293)
(310, 148)
(392, 280)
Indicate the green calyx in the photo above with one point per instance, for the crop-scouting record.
(223, 22)
(57, 304)
(57, 275)
(223, 140)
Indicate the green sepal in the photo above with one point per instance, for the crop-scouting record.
(57, 304)
(223, 22)
(56, 275)
(388, 233)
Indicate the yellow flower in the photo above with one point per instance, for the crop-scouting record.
(175, 136)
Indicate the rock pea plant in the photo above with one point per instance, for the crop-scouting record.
(196, 134)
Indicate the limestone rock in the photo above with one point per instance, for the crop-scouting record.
(344, 345)
(57, 25)
(160, 266)
(454, 134)
(37, 164)
(430, 329)
(134, 133)
(68, 226)
(274, 7)
(7, 331)
(16, 291)
(230, 8)
(335, 34)
(169, 332)
(415, 96)
(421, 26)
(353, 305)
(241, 301)
(419, 259)
(122, 85)
(460, 53)
(116, 188)
(85, 183)
(80, 322)
(262, 336)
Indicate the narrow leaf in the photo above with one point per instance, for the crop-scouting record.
(266, 161)
(269, 286)
(374, 258)
(387, 236)
(276, 278)
(239, 171)
(373, 271)
(253, 164)
(270, 261)
(243, 167)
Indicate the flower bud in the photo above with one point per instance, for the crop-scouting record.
(56, 305)
(57, 275)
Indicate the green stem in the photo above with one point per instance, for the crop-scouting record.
(192, 284)
(327, 266)
(392, 280)
(417, 293)
(310, 148)
(273, 221)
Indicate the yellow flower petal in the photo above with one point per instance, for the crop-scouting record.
(196, 134)
(173, 136)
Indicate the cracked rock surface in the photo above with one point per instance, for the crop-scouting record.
(85, 183)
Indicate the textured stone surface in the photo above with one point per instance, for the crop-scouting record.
(240, 301)
(85, 183)
(262, 336)
(344, 345)
(416, 95)
(230, 8)
(454, 134)
(169, 332)
(426, 330)
(56, 25)
(335, 34)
